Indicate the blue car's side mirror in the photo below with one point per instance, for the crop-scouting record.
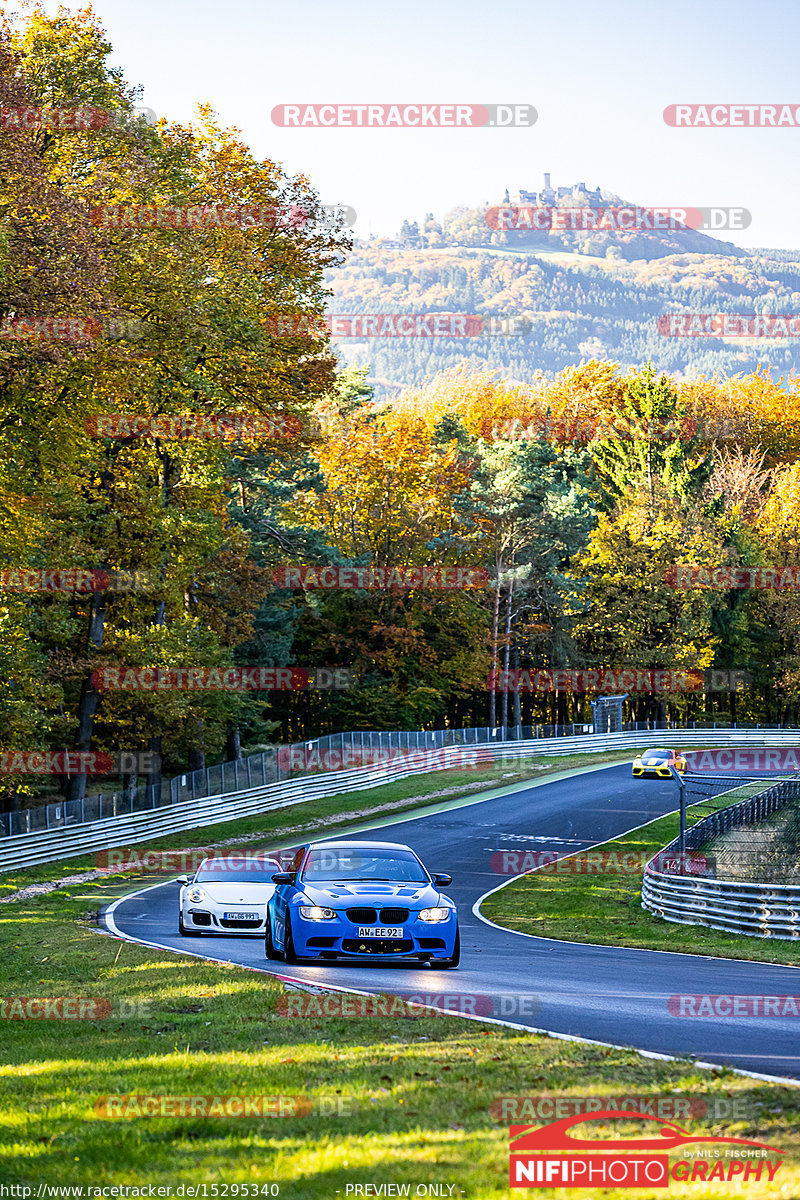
(283, 877)
(442, 880)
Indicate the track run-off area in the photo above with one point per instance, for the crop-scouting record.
(608, 994)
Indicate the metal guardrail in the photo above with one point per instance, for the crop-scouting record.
(274, 763)
(54, 845)
(755, 909)
(30, 849)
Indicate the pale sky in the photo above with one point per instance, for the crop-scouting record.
(599, 75)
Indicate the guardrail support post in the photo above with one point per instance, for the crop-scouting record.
(682, 804)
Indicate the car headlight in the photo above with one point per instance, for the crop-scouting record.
(434, 914)
(196, 895)
(313, 912)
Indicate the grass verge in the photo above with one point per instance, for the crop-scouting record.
(417, 1092)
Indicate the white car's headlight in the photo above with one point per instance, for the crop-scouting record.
(434, 914)
(196, 895)
(313, 912)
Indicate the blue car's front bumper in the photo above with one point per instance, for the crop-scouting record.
(340, 936)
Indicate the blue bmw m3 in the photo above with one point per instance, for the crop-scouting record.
(354, 899)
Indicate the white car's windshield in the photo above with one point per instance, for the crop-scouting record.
(254, 872)
(343, 864)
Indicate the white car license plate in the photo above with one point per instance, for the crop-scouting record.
(380, 931)
(241, 916)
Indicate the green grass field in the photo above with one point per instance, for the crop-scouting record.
(413, 1094)
(393, 1100)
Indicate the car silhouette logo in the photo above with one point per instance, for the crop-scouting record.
(525, 1138)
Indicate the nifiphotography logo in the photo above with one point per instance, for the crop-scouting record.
(533, 1162)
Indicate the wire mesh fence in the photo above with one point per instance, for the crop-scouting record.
(749, 827)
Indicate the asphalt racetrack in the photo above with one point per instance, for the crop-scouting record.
(619, 996)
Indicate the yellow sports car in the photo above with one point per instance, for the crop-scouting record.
(658, 763)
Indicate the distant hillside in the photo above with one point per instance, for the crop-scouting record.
(478, 227)
(578, 295)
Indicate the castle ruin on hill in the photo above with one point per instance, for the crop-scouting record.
(578, 193)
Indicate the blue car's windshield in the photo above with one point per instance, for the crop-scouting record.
(345, 864)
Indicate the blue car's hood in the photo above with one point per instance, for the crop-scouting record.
(376, 895)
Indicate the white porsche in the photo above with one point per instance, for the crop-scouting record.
(227, 894)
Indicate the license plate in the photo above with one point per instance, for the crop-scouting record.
(380, 931)
(241, 916)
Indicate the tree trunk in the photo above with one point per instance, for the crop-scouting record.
(154, 775)
(507, 656)
(129, 790)
(517, 702)
(233, 746)
(493, 676)
(90, 697)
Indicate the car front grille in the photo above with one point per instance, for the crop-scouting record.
(393, 916)
(362, 916)
(237, 923)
